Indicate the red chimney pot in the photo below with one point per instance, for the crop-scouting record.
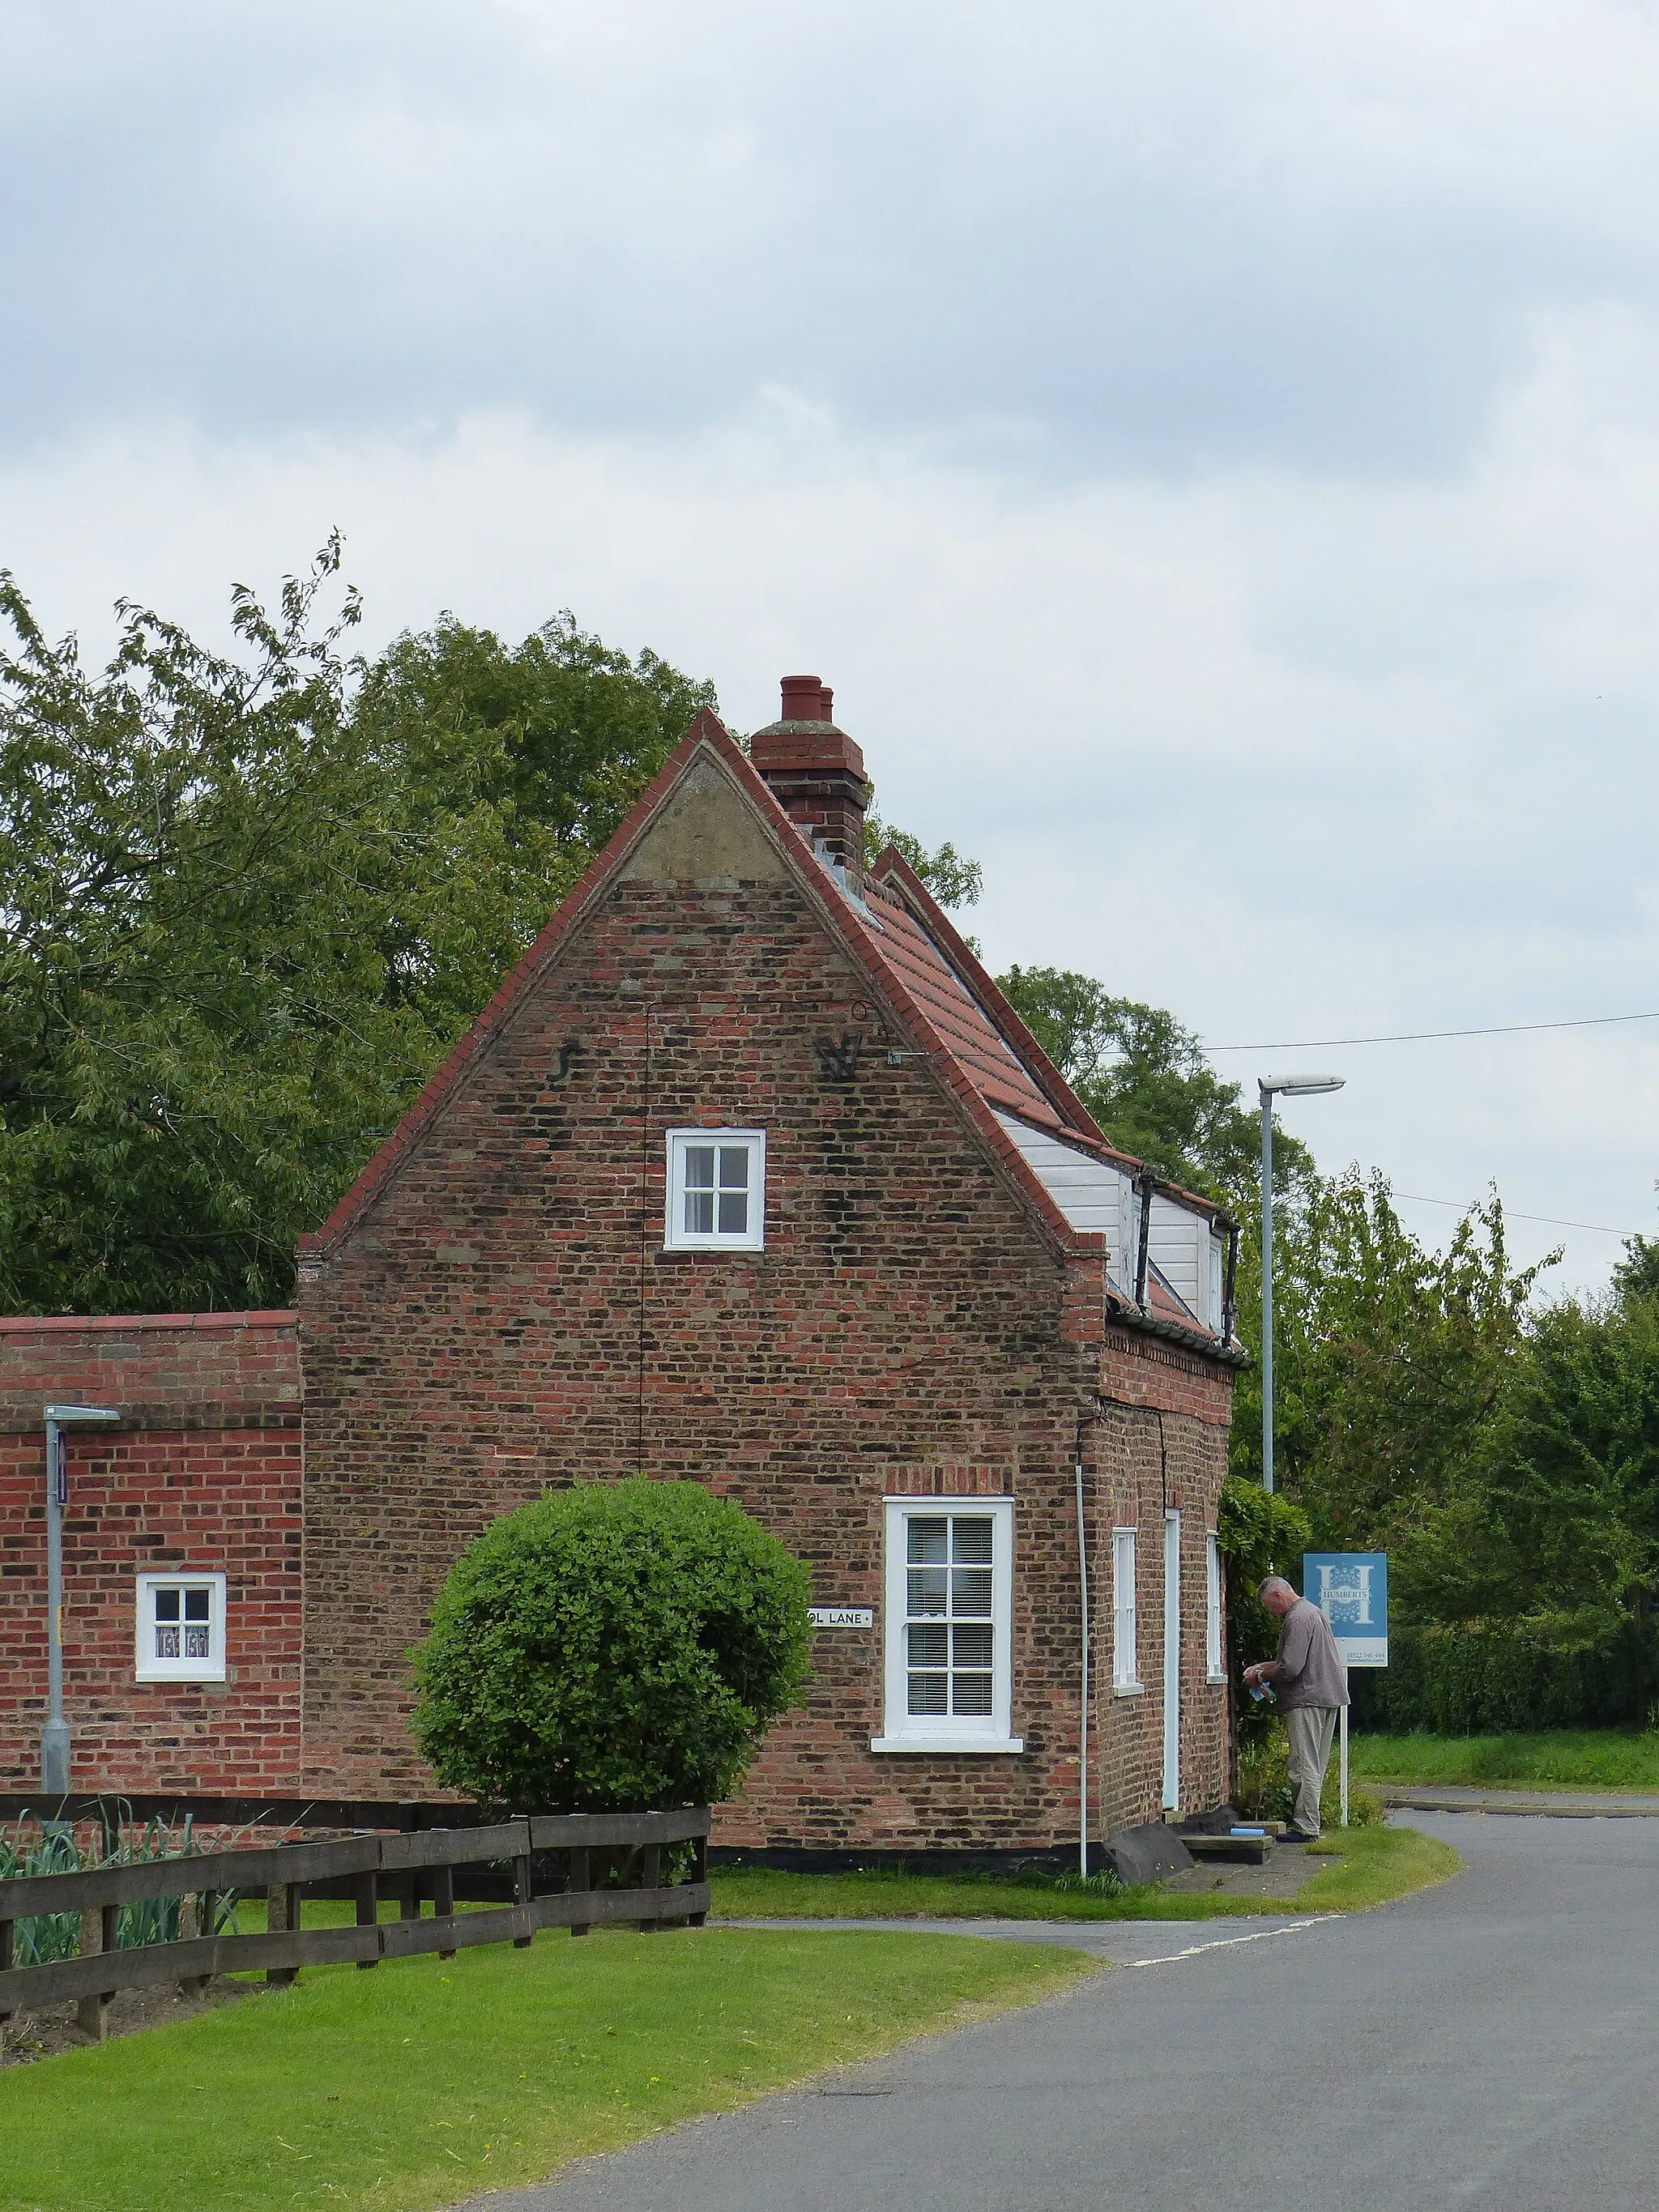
(805, 700)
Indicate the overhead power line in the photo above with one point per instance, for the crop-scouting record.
(1552, 1220)
(1425, 1037)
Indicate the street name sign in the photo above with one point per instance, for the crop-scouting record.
(841, 1616)
(1350, 1589)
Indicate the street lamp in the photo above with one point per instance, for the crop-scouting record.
(55, 1735)
(1284, 1087)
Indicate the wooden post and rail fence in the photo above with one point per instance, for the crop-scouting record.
(444, 1867)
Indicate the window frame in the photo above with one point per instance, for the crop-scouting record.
(676, 1236)
(1215, 1656)
(147, 1667)
(1126, 1649)
(941, 1732)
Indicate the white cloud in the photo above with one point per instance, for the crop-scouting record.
(1211, 450)
(1296, 758)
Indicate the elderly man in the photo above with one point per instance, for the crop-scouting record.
(1311, 1685)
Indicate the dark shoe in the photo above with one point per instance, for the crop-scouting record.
(1295, 1836)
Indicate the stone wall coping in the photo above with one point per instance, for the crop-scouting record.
(125, 1324)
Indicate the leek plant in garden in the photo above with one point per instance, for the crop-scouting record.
(36, 1847)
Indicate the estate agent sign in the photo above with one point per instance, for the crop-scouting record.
(1350, 1589)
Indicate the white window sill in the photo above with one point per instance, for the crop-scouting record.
(977, 1744)
(1128, 1689)
(1217, 1681)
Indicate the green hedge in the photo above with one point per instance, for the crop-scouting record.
(1487, 1678)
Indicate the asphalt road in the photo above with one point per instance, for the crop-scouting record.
(1491, 2043)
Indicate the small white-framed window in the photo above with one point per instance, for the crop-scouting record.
(949, 1623)
(1126, 1674)
(1215, 1663)
(180, 1628)
(716, 1190)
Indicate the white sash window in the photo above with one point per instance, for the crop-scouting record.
(1215, 1660)
(949, 1622)
(1126, 1674)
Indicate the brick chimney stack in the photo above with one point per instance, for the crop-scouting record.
(816, 771)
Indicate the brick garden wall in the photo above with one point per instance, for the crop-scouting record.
(204, 1472)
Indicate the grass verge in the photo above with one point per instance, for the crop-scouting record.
(759, 1893)
(1369, 1866)
(1559, 1759)
(1377, 1863)
(425, 2081)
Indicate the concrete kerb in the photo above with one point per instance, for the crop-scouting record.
(1535, 1804)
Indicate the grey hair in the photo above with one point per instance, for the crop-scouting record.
(1276, 1582)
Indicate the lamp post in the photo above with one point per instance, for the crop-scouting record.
(55, 1735)
(1284, 1087)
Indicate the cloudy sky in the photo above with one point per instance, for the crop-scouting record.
(1212, 450)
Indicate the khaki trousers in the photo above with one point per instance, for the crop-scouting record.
(1310, 1729)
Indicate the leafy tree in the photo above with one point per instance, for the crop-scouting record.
(1389, 1359)
(953, 880)
(1558, 1526)
(247, 901)
(1636, 1277)
(558, 735)
(612, 1647)
(1144, 1079)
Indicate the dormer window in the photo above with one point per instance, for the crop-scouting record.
(716, 1190)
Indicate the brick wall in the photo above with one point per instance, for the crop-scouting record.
(502, 1317)
(203, 1473)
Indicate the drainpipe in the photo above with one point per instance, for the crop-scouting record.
(1227, 1306)
(1082, 1724)
(1143, 1257)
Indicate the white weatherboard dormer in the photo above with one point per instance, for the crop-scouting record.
(1093, 1194)
(1191, 1257)
(1096, 1196)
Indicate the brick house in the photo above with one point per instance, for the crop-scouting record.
(748, 1174)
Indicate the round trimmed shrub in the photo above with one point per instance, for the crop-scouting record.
(613, 1647)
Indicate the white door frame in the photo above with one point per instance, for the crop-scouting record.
(1172, 1659)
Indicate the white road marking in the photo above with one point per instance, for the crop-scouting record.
(1221, 1942)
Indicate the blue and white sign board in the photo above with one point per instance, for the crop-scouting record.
(1350, 1589)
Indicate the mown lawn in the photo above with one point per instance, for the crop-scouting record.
(425, 2081)
(1561, 1759)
